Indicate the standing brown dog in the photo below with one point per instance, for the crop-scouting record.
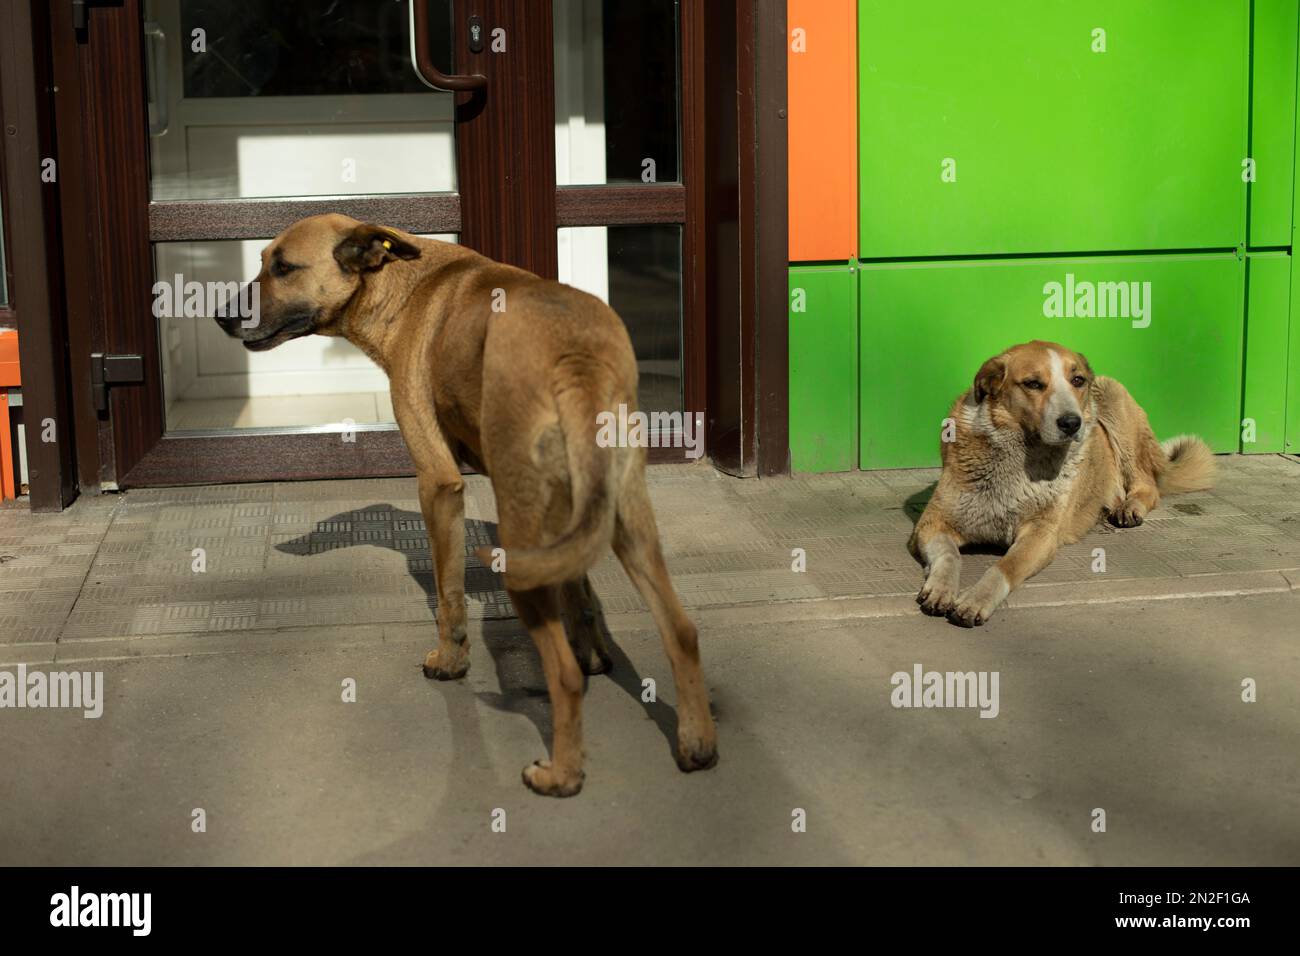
(493, 366)
(1042, 450)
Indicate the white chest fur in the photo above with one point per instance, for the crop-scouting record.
(1015, 481)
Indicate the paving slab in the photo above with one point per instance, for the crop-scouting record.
(1120, 689)
(271, 558)
(1132, 708)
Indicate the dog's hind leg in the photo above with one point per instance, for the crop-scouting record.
(636, 542)
(585, 623)
(1138, 470)
(938, 550)
(442, 502)
(1140, 499)
(562, 775)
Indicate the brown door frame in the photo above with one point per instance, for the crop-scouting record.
(732, 211)
(110, 234)
(769, 244)
(749, 375)
(32, 252)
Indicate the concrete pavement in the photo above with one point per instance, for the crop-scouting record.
(1119, 690)
(1134, 708)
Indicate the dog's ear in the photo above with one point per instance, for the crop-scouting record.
(1087, 366)
(369, 246)
(989, 379)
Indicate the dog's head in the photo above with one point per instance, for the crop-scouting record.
(1042, 388)
(310, 272)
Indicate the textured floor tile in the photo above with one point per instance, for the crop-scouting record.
(272, 557)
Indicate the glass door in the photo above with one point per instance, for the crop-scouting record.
(621, 127)
(268, 100)
(514, 126)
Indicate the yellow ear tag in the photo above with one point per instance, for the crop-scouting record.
(388, 244)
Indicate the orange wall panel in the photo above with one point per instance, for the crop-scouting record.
(9, 378)
(9, 373)
(823, 127)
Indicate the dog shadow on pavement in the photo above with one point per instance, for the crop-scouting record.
(520, 679)
(915, 503)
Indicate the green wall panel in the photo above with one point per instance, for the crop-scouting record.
(824, 367)
(1057, 148)
(1292, 442)
(1293, 369)
(927, 327)
(1268, 306)
(1272, 121)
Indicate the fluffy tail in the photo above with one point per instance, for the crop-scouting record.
(591, 526)
(1190, 466)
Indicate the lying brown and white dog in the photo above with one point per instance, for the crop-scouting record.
(1041, 450)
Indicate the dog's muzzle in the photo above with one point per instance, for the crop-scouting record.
(1069, 424)
(261, 336)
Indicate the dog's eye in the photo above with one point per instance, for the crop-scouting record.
(1034, 385)
(1078, 381)
(282, 268)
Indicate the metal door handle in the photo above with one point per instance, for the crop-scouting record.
(156, 56)
(422, 59)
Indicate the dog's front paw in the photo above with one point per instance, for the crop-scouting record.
(977, 603)
(1128, 515)
(967, 613)
(541, 777)
(447, 663)
(972, 608)
(936, 597)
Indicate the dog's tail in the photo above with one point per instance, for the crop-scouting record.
(1189, 466)
(591, 527)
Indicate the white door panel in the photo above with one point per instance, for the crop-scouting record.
(301, 160)
(262, 146)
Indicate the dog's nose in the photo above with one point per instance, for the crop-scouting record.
(1069, 424)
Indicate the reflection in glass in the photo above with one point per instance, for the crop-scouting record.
(212, 383)
(311, 98)
(617, 88)
(305, 48)
(638, 271)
